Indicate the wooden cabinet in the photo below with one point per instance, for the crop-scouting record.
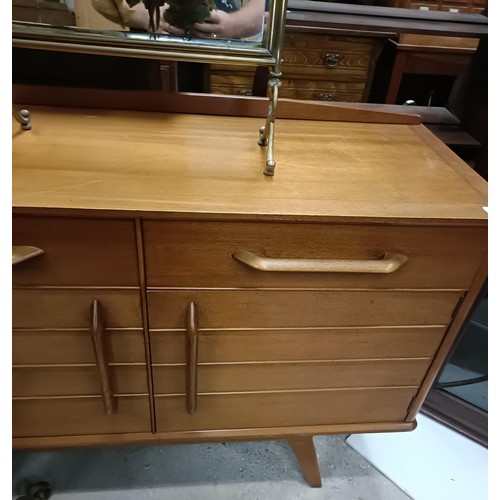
(316, 66)
(254, 326)
(42, 11)
(234, 306)
(457, 6)
(57, 383)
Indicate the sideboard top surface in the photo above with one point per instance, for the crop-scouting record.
(166, 164)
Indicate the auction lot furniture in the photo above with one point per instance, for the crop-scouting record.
(165, 291)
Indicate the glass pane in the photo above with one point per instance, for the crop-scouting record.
(202, 20)
(466, 373)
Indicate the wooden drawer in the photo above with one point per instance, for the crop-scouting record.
(425, 6)
(77, 251)
(315, 67)
(231, 85)
(326, 57)
(31, 347)
(33, 417)
(301, 308)
(59, 308)
(42, 381)
(300, 88)
(283, 409)
(295, 344)
(244, 377)
(199, 254)
(231, 79)
(296, 88)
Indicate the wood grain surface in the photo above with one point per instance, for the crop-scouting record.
(150, 162)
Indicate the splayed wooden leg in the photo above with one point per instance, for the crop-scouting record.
(305, 452)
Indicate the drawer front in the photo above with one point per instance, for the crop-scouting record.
(424, 6)
(32, 347)
(295, 344)
(77, 252)
(283, 409)
(231, 86)
(299, 88)
(231, 79)
(59, 308)
(243, 377)
(301, 308)
(293, 88)
(42, 381)
(326, 57)
(78, 416)
(199, 254)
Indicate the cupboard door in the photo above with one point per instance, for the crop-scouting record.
(63, 393)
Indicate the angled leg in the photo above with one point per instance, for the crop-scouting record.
(305, 452)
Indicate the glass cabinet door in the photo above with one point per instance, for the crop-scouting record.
(459, 397)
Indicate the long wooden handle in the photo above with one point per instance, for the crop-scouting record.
(192, 356)
(97, 334)
(22, 253)
(389, 263)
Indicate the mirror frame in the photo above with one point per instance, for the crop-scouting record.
(138, 45)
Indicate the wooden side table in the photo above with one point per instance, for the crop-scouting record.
(433, 55)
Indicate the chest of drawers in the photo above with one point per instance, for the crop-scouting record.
(316, 66)
(177, 300)
(457, 6)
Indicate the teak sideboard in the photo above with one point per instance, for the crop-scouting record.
(166, 291)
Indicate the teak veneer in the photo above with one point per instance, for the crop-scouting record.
(153, 308)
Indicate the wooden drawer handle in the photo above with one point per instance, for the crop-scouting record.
(98, 340)
(22, 253)
(389, 263)
(192, 356)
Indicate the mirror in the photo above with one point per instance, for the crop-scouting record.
(248, 32)
(224, 31)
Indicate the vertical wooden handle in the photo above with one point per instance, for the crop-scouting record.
(192, 356)
(97, 334)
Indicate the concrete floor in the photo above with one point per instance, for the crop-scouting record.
(265, 470)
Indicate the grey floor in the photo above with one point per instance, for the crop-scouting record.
(264, 470)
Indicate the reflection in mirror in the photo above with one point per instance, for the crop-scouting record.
(200, 31)
(166, 19)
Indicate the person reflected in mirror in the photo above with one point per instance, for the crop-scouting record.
(233, 19)
(221, 18)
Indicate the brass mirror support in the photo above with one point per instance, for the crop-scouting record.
(276, 35)
(23, 118)
(266, 133)
(85, 41)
